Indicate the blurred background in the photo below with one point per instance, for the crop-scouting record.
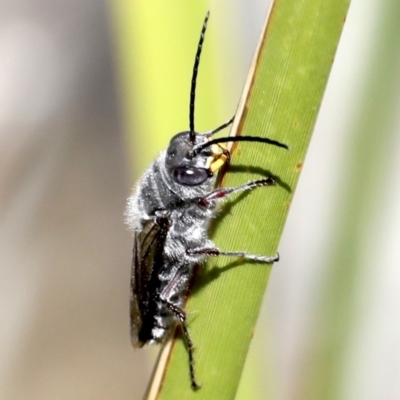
(90, 92)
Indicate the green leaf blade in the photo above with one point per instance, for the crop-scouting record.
(281, 102)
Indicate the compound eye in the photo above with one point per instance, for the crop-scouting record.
(190, 176)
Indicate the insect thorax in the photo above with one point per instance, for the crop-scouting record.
(156, 192)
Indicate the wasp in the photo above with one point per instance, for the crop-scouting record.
(170, 213)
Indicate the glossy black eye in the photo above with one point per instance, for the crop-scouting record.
(190, 176)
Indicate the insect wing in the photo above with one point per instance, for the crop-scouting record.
(147, 259)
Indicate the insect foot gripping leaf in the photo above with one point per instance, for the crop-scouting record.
(170, 214)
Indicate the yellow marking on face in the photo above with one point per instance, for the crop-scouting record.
(218, 158)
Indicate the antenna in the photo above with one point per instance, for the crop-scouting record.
(194, 77)
(197, 149)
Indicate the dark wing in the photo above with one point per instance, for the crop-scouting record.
(148, 246)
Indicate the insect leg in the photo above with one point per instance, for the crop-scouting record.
(214, 252)
(223, 126)
(180, 315)
(221, 193)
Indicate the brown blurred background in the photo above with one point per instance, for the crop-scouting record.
(64, 250)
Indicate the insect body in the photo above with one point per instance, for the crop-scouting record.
(170, 213)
